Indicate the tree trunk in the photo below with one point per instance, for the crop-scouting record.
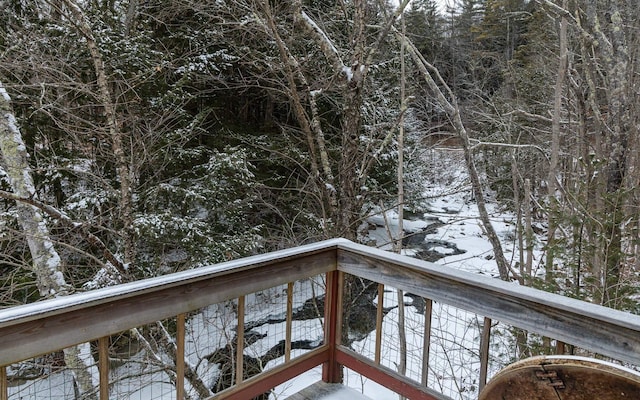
(518, 208)
(46, 263)
(528, 233)
(116, 135)
(552, 179)
(450, 106)
(45, 259)
(402, 364)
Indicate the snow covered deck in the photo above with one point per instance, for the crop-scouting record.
(328, 391)
(353, 313)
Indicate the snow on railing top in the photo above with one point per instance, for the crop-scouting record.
(500, 287)
(99, 296)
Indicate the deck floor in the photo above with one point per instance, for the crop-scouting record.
(328, 391)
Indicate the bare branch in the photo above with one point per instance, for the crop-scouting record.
(58, 215)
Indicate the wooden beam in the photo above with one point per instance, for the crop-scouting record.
(379, 315)
(240, 341)
(331, 371)
(603, 330)
(71, 321)
(385, 376)
(4, 385)
(267, 380)
(289, 327)
(426, 341)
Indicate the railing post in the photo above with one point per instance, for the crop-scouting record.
(379, 315)
(287, 347)
(426, 343)
(240, 342)
(4, 390)
(484, 352)
(103, 367)
(331, 370)
(180, 368)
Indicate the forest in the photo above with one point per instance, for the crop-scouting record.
(145, 137)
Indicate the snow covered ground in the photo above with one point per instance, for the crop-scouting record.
(452, 220)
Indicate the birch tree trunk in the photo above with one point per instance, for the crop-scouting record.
(46, 263)
(45, 260)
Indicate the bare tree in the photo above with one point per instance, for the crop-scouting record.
(115, 136)
(449, 103)
(601, 82)
(552, 180)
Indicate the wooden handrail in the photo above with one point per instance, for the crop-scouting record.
(605, 331)
(35, 329)
(40, 328)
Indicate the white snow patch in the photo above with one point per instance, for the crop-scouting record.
(348, 72)
(84, 354)
(103, 278)
(15, 131)
(322, 34)
(4, 93)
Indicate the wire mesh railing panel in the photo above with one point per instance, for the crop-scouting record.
(454, 357)
(278, 324)
(453, 340)
(307, 325)
(266, 328)
(308, 304)
(507, 345)
(286, 322)
(142, 362)
(210, 346)
(403, 339)
(359, 310)
(45, 377)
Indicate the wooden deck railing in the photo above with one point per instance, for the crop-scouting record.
(42, 328)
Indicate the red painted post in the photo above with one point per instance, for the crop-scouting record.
(331, 370)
